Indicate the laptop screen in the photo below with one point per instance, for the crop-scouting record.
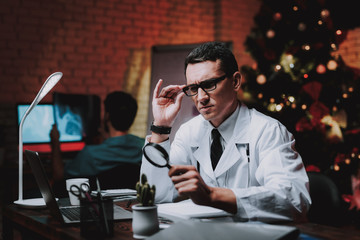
(43, 183)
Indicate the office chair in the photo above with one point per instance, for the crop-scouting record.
(327, 207)
(125, 175)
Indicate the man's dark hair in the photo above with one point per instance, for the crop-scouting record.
(122, 108)
(212, 51)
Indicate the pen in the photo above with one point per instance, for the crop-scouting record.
(92, 203)
(248, 151)
(100, 200)
(248, 157)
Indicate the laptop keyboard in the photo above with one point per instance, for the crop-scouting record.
(71, 213)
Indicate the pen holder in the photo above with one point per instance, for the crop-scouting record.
(96, 218)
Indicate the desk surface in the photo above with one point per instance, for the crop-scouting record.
(39, 222)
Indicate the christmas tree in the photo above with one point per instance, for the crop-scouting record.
(300, 80)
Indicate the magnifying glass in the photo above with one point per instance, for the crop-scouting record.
(156, 155)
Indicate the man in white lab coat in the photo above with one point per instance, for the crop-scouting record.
(259, 175)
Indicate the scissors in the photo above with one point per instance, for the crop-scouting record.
(82, 191)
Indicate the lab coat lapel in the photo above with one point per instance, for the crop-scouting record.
(201, 153)
(232, 154)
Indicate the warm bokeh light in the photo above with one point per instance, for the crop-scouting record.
(272, 107)
(261, 79)
(324, 13)
(270, 33)
(333, 46)
(306, 47)
(320, 69)
(277, 16)
(302, 27)
(332, 65)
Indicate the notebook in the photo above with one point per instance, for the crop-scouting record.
(65, 214)
(116, 193)
(187, 209)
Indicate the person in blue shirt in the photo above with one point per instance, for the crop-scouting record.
(120, 147)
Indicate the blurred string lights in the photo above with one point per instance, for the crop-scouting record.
(288, 61)
(298, 76)
(348, 161)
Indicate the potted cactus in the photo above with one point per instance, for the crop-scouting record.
(145, 218)
(145, 194)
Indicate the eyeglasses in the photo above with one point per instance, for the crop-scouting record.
(207, 85)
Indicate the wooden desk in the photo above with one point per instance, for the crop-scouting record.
(43, 226)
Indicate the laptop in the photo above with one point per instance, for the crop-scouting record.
(226, 231)
(65, 214)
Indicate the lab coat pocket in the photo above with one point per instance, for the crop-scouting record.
(238, 176)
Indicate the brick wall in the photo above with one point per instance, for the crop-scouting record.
(105, 45)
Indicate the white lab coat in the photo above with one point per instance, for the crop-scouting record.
(269, 180)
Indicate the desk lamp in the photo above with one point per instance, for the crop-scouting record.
(50, 82)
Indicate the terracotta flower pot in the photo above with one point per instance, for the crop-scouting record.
(145, 221)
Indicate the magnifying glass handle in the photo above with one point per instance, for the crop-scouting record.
(168, 165)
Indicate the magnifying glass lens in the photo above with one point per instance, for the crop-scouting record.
(155, 155)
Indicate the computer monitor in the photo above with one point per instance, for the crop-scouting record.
(37, 127)
(38, 124)
(77, 115)
(69, 122)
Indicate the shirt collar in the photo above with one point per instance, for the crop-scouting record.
(226, 129)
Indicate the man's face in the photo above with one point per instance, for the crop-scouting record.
(216, 105)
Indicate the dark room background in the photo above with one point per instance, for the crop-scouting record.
(106, 45)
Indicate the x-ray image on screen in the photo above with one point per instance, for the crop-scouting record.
(69, 123)
(38, 124)
(77, 116)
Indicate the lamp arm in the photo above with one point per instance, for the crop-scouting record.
(21, 161)
(50, 82)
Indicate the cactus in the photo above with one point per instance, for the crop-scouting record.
(145, 194)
